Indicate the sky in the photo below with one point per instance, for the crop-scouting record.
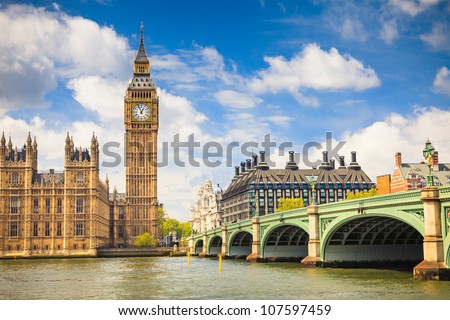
(374, 74)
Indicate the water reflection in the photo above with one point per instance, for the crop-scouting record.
(172, 278)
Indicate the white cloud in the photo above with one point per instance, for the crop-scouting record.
(279, 120)
(315, 69)
(237, 100)
(389, 31)
(353, 29)
(442, 81)
(377, 144)
(413, 7)
(40, 47)
(195, 65)
(100, 94)
(439, 37)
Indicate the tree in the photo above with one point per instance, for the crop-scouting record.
(184, 230)
(145, 240)
(161, 218)
(170, 225)
(361, 194)
(289, 204)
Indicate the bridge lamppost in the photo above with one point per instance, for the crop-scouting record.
(428, 152)
(312, 182)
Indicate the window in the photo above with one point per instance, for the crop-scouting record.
(47, 205)
(47, 229)
(35, 229)
(36, 205)
(288, 193)
(79, 205)
(59, 229)
(121, 213)
(15, 178)
(79, 228)
(80, 178)
(46, 247)
(14, 229)
(15, 205)
(59, 206)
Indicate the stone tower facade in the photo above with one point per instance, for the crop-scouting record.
(52, 213)
(141, 108)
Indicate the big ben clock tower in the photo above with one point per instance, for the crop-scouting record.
(141, 107)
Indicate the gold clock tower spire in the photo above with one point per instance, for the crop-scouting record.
(141, 108)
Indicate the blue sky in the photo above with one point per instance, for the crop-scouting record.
(374, 73)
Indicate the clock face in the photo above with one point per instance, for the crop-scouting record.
(141, 112)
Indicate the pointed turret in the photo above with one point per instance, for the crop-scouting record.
(141, 61)
(3, 140)
(29, 139)
(2, 147)
(10, 145)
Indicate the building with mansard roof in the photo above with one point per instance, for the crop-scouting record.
(256, 188)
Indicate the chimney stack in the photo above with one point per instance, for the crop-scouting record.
(236, 171)
(262, 156)
(291, 164)
(341, 162)
(354, 156)
(354, 165)
(242, 167)
(435, 160)
(325, 164)
(249, 164)
(262, 164)
(398, 159)
(255, 160)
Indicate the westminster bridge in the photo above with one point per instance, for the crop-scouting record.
(394, 229)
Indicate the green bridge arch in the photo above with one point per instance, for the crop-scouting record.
(408, 218)
(276, 225)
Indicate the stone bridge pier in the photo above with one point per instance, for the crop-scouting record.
(433, 266)
(404, 229)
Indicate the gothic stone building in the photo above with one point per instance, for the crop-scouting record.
(72, 212)
(256, 189)
(52, 213)
(206, 214)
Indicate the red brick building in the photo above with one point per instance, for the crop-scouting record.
(411, 176)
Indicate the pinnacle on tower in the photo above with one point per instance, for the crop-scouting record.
(29, 139)
(141, 54)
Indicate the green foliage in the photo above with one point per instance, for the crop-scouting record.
(184, 230)
(170, 225)
(362, 194)
(289, 204)
(161, 219)
(145, 240)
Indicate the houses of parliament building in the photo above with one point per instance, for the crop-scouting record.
(72, 213)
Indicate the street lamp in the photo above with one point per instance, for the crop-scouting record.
(312, 182)
(428, 152)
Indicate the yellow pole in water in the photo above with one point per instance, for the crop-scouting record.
(189, 258)
(220, 263)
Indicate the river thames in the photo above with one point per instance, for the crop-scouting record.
(172, 278)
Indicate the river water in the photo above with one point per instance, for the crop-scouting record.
(172, 278)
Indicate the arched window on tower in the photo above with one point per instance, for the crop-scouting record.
(14, 178)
